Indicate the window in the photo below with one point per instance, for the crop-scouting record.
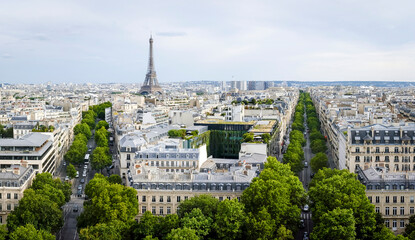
(377, 149)
(9, 207)
(386, 150)
(357, 149)
(1, 219)
(387, 223)
(396, 159)
(402, 224)
(178, 198)
(402, 199)
(370, 199)
(357, 159)
(186, 197)
(411, 210)
(377, 159)
(394, 211)
(377, 199)
(161, 198)
(168, 210)
(396, 149)
(387, 211)
(395, 199)
(143, 209)
(161, 211)
(0, 194)
(411, 199)
(9, 196)
(128, 157)
(402, 211)
(143, 199)
(377, 209)
(16, 196)
(153, 198)
(394, 223)
(386, 158)
(153, 210)
(168, 199)
(220, 199)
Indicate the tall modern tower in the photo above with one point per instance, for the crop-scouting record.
(151, 85)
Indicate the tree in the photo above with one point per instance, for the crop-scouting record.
(410, 228)
(230, 219)
(314, 135)
(206, 203)
(100, 158)
(182, 234)
(248, 137)
(38, 210)
(82, 128)
(147, 226)
(115, 179)
(179, 133)
(276, 191)
(318, 145)
(42, 180)
(101, 124)
(3, 232)
(71, 171)
(259, 225)
(319, 161)
(266, 137)
(101, 137)
(113, 230)
(107, 202)
(336, 224)
(197, 221)
(331, 189)
(29, 232)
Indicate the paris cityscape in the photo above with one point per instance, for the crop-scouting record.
(207, 120)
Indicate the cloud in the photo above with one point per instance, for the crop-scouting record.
(171, 34)
(6, 56)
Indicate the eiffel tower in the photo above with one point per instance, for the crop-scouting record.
(151, 85)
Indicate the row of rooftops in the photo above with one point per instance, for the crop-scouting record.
(381, 134)
(377, 178)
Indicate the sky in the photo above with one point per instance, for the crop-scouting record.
(107, 41)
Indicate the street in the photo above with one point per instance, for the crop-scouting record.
(74, 207)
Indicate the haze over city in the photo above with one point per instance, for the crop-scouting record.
(106, 41)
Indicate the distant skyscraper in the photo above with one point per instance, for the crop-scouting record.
(151, 85)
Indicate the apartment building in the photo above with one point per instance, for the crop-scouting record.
(13, 181)
(389, 147)
(392, 194)
(162, 192)
(35, 148)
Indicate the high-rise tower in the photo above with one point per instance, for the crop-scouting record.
(151, 85)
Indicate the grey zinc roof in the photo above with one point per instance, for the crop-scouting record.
(132, 140)
(30, 140)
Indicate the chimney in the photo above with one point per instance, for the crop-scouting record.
(248, 166)
(149, 175)
(240, 163)
(209, 177)
(245, 172)
(23, 163)
(16, 170)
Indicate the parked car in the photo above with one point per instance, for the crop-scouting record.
(84, 174)
(64, 163)
(85, 166)
(75, 209)
(79, 192)
(306, 208)
(83, 180)
(77, 174)
(305, 164)
(79, 187)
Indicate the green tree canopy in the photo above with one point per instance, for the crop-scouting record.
(29, 232)
(197, 221)
(101, 124)
(182, 234)
(71, 171)
(82, 128)
(336, 224)
(206, 203)
(319, 161)
(230, 219)
(101, 158)
(318, 145)
(115, 179)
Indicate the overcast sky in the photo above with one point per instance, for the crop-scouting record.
(107, 41)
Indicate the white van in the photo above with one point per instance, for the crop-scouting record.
(77, 174)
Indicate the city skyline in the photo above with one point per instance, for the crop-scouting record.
(325, 41)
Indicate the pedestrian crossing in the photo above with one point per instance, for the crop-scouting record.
(306, 216)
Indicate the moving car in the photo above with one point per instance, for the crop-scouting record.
(85, 166)
(77, 174)
(305, 237)
(75, 209)
(83, 180)
(84, 173)
(302, 225)
(305, 164)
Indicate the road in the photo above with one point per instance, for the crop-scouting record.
(305, 178)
